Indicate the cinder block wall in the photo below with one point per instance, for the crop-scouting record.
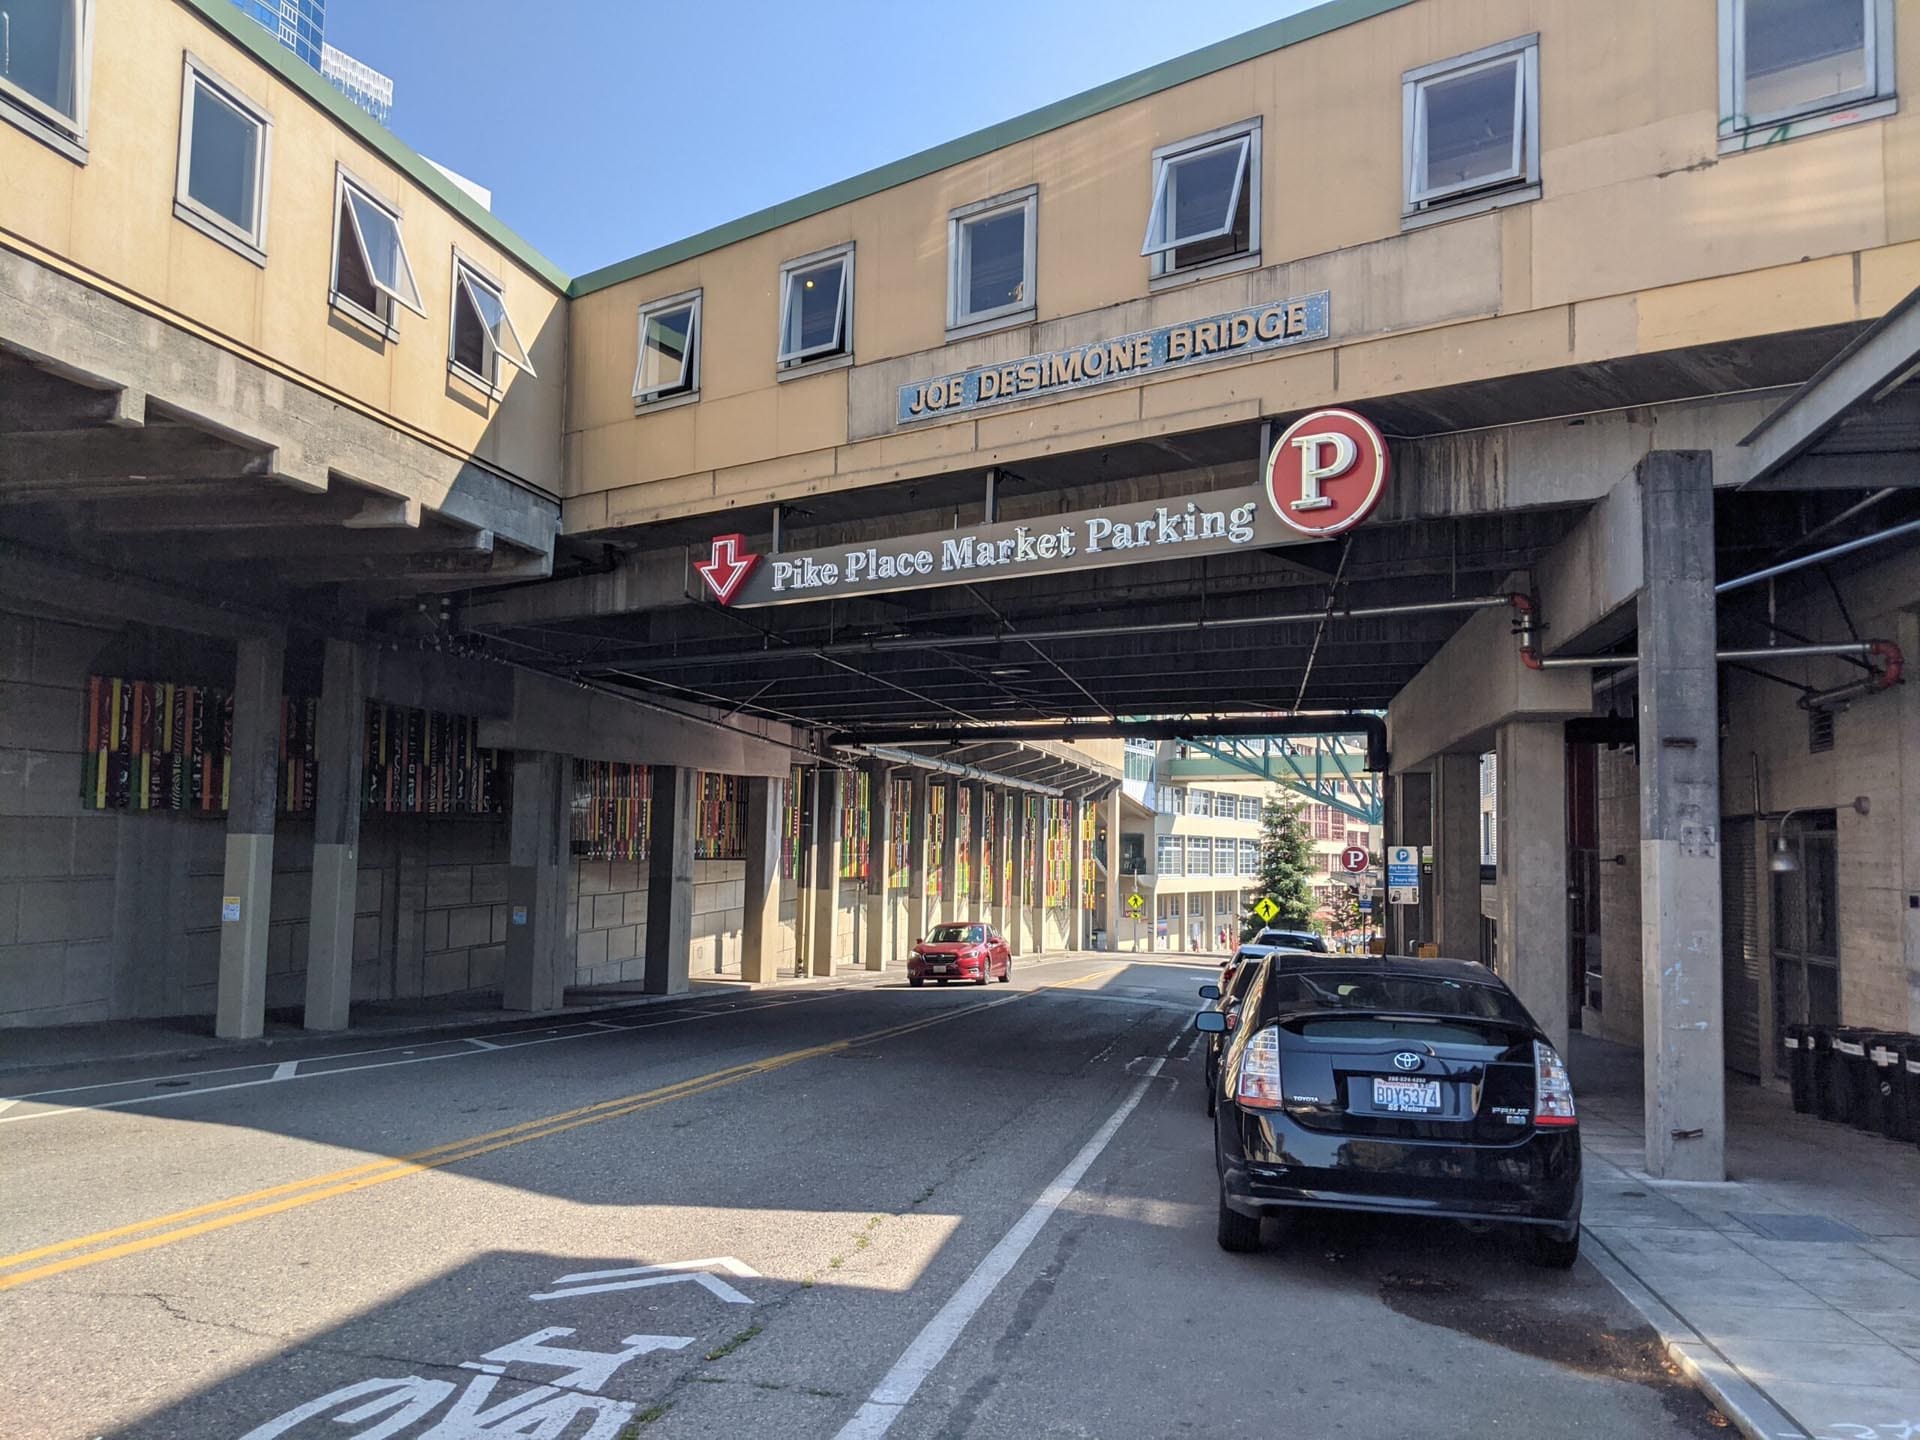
(109, 914)
(609, 932)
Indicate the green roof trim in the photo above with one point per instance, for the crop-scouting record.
(224, 16)
(1320, 20)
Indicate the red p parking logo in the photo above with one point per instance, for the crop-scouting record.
(1327, 472)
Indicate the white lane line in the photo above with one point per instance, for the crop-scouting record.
(188, 1093)
(286, 1069)
(891, 1396)
(480, 1044)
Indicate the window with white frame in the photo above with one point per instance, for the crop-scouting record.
(1472, 129)
(990, 249)
(1249, 857)
(668, 367)
(481, 332)
(1199, 855)
(222, 189)
(1225, 853)
(1166, 855)
(1205, 213)
(1797, 66)
(45, 46)
(1201, 803)
(371, 271)
(816, 307)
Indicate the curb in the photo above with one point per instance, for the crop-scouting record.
(1739, 1399)
(208, 1046)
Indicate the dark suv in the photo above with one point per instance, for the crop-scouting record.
(1384, 1084)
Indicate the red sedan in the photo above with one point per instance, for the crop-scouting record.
(960, 952)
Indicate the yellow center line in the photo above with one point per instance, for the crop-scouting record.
(278, 1199)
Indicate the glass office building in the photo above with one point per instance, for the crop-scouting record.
(301, 26)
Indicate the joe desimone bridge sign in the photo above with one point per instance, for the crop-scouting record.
(1126, 357)
(1324, 476)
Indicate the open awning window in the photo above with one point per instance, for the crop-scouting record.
(669, 362)
(370, 265)
(483, 332)
(1197, 195)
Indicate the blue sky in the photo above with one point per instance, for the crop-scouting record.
(607, 127)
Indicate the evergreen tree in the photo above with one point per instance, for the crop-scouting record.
(1286, 860)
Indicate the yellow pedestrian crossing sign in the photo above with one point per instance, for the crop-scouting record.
(1136, 903)
(1265, 909)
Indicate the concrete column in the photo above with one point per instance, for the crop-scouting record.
(1016, 927)
(974, 843)
(1076, 910)
(760, 924)
(1111, 904)
(1532, 956)
(950, 907)
(537, 963)
(879, 903)
(240, 1006)
(821, 957)
(917, 859)
(1456, 856)
(336, 835)
(1680, 822)
(1001, 915)
(670, 834)
(1037, 911)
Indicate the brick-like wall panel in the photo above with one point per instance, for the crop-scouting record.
(610, 920)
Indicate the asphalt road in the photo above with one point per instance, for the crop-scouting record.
(834, 1212)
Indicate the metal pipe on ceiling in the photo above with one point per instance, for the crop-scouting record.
(1777, 652)
(1165, 627)
(1832, 552)
(1090, 632)
(1343, 722)
(918, 761)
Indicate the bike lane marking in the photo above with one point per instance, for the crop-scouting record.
(299, 1193)
(924, 1353)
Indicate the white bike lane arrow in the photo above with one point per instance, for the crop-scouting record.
(642, 1277)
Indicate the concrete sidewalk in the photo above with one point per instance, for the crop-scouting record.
(1793, 1290)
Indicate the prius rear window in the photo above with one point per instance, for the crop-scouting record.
(1399, 994)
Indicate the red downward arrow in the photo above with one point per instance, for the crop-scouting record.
(727, 569)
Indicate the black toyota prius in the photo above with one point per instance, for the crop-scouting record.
(1391, 1085)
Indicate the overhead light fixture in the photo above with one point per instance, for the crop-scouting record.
(1783, 861)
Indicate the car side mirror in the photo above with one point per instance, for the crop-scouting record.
(1211, 1022)
(918, 940)
(1209, 992)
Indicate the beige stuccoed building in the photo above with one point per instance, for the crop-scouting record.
(768, 597)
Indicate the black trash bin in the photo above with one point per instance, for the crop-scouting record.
(1853, 1074)
(1799, 1046)
(1829, 1085)
(1907, 1110)
(1884, 1058)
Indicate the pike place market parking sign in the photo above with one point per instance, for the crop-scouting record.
(1326, 474)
